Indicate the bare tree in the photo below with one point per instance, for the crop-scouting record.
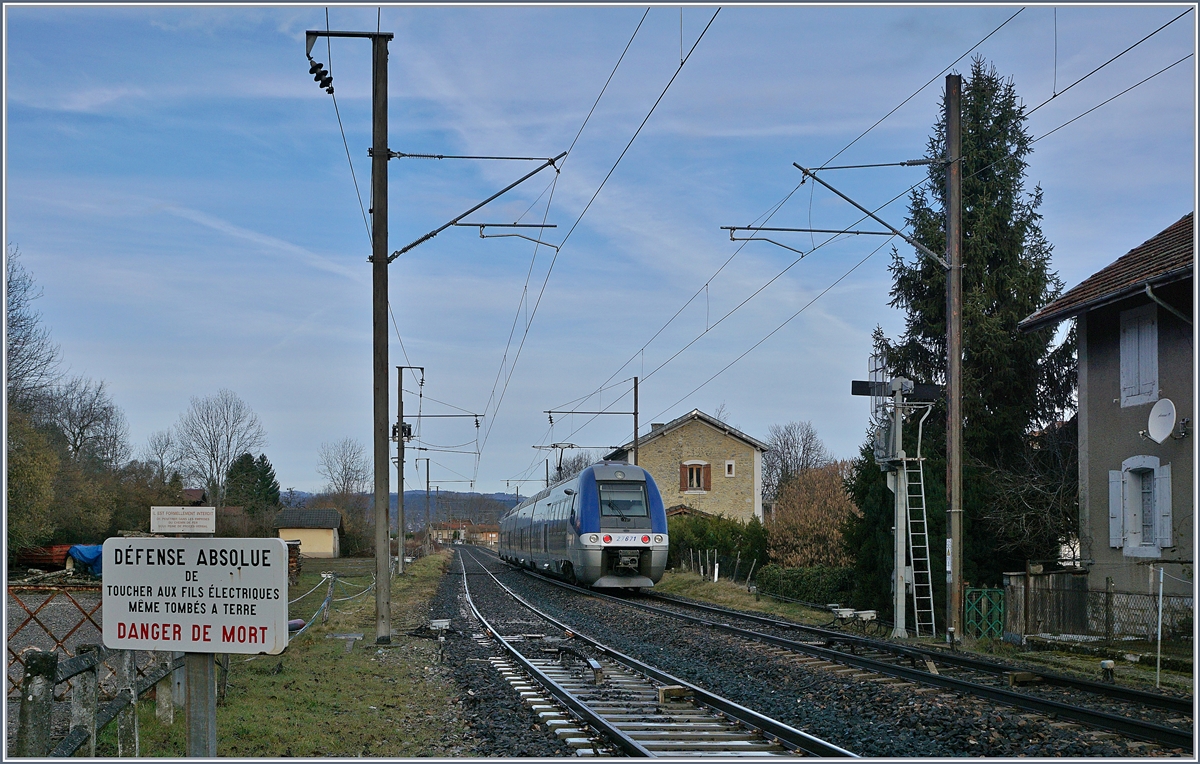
(812, 508)
(213, 432)
(162, 452)
(93, 426)
(575, 463)
(32, 359)
(345, 467)
(795, 448)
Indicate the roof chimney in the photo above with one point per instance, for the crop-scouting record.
(656, 426)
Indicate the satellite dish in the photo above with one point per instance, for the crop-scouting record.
(1162, 420)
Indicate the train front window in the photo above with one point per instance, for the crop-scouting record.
(622, 500)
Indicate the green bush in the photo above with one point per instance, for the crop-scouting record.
(728, 537)
(817, 585)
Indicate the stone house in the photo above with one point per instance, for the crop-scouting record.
(1135, 344)
(700, 462)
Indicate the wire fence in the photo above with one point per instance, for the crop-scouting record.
(713, 566)
(1107, 615)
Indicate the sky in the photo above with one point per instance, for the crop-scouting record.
(180, 189)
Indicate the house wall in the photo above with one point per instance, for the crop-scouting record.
(733, 497)
(314, 542)
(1109, 434)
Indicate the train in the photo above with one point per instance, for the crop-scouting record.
(605, 527)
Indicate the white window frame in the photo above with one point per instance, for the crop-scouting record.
(1125, 507)
(1139, 355)
(700, 464)
(730, 468)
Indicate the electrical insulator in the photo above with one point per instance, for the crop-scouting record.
(407, 431)
(314, 67)
(327, 82)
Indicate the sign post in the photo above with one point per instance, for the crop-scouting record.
(202, 596)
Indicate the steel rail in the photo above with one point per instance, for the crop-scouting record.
(628, 745)
(1156, 700)
(788, 736)
(1134, 728)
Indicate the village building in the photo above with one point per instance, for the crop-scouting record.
(319, 531)
(701, 463)
(1135, 346)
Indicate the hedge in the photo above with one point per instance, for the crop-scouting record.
(817, 585)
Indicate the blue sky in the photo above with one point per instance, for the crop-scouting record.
(178, 186)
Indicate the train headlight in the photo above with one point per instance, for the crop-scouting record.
(607, 539)
(620, 475)
(645, 539)
(593, 538)
(658, 539)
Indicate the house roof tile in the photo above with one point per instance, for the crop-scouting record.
(693, 415)
(308, 518)
(1168, 256)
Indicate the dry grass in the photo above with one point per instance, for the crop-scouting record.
(318, 700)
(727, 594)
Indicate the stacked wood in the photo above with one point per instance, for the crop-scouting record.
(293, 561)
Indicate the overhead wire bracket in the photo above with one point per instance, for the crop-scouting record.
(913, 242)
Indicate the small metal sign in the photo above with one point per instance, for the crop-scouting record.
(183, 519)
(203, 595)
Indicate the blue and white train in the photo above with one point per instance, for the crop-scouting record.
(605, 527)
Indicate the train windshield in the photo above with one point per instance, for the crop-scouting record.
(622, 500)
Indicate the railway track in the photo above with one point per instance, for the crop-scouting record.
(839, 651)
(576, 684)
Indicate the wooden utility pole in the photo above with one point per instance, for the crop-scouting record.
(954, 302)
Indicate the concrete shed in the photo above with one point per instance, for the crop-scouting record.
(318, 530)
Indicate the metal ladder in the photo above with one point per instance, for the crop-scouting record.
(918, 547)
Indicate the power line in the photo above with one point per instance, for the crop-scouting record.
(554, 259)
(529, 273)
(772, 211)
(353, 177)
(1106, 63)
(773, 331)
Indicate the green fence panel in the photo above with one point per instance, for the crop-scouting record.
(984, 613)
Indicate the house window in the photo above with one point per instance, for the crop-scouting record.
(1139, 507)
(1139, 356)
(730, 468)
(695, 477)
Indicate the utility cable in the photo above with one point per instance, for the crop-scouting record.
(353, 177)
(780, 204)
(776, 329)
(1106, 63)
(918, 91)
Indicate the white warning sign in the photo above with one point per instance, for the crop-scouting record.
(196, 595)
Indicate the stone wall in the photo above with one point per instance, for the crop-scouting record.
(732, 497)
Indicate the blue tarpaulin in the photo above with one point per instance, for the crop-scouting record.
(88, 554)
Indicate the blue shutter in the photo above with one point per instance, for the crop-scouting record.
(1116, 509)
(1162, 501)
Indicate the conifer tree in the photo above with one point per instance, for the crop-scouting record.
(1014, 383)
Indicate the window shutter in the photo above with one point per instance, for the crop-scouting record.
(1147, 362)
(1129, 357)
(683, 483)
(708, 477)
(1116, 509)
(1162, 500)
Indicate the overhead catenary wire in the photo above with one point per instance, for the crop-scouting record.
(551, 186)
(574, 225)
(779, 205)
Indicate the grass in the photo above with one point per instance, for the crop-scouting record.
(727, 594)
(318, 700)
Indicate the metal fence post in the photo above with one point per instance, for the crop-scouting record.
(164, 702)
(37, 700)
(84, 697)
(1108, 609)
(127, 720)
